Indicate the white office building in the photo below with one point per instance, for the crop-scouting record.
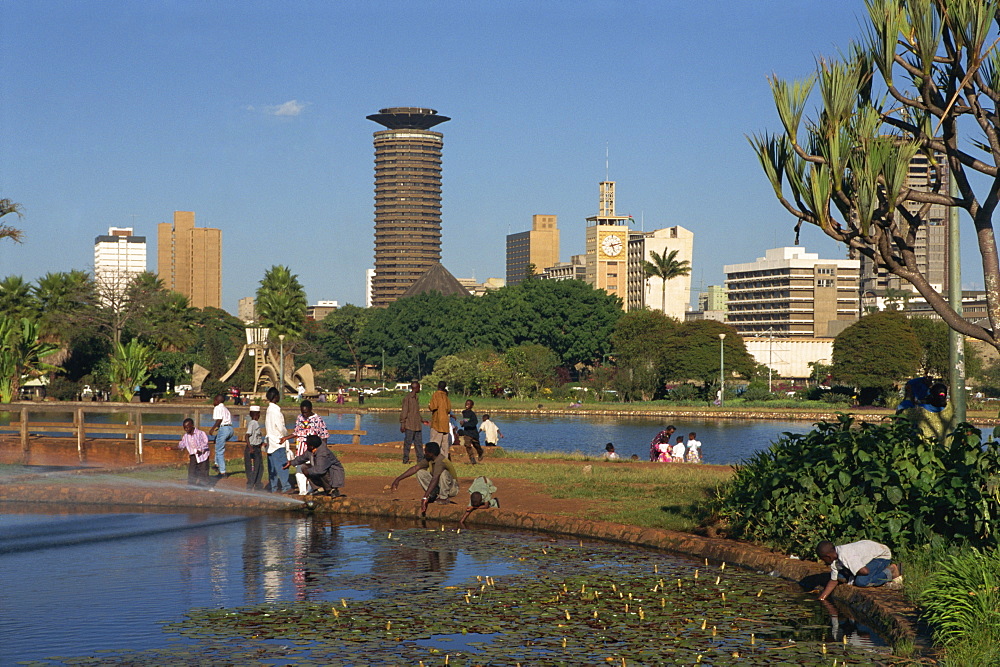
(118, 256)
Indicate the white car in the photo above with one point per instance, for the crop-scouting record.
(182, 389)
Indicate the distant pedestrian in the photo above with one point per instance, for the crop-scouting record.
(469, 433)
(440, 409)
(222, 430)
(491, 432)
(195, 443)
(660, 438)
(277, 455)
(677, 454)
(693, 449)
(300, 392)
(341, 396)
(411, 425)
(253, 460)
(609, 452)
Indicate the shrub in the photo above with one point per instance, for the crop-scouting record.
(757, 391)
(962, 599)
(686, 392)
(846, 481)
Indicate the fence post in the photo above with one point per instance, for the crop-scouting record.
(25, 447)
(138, 436)
(78, 422)
(356, 438)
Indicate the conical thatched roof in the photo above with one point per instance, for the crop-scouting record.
(436, 279)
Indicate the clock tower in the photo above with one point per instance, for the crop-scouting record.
(607, 245)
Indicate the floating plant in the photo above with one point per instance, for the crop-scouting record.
(561, 604)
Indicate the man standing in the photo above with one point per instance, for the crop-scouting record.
(195, 443)
(440, 408)
(253, 461)
(277, 457)
(469, 433)
(410, 424)
(436, 475)
(224, 425)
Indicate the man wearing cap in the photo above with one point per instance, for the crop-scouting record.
(252, 458)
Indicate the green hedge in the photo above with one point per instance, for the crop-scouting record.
(847, 481)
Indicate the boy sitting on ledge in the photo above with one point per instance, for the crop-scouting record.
(862, 563)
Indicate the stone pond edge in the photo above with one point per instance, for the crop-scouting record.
(895, 619)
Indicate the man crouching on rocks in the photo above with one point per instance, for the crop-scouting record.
(436, 475)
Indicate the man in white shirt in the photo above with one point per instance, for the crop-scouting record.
(222, 430)
(862, 563)
(491, 434)
(277, 454)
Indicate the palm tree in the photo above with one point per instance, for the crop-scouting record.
(665, 267)
(130, 365)
(281, 302)
(15, 298)
(21, 354)
(6, 231)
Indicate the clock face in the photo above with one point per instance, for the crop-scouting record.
(612, 245)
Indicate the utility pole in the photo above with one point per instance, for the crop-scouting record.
(956, 341)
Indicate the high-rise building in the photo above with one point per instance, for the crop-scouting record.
(118, 256)
(189, 260)
(407, 199)
(673, 297)
(537, 248)
(791, 292)
(931, 245)
(607, 245)
(369, 279)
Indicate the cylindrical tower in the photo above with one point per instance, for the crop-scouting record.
(407, 199)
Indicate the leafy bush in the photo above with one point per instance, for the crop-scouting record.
(686, 392)
(962, 599)
(757, 391)
(846, 481)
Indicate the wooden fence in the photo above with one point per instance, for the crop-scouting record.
(31, 423)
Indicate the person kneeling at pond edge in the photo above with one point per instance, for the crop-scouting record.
(480, 497)
(864, 563)
(323, 468)
(436, 475)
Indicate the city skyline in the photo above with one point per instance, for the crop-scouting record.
(255, 118)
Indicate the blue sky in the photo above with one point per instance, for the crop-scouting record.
(252, 114)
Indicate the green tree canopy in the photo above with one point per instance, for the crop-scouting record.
(876, 352)
(693, 352)
(569, 317)
(934, 361)
(638, 342)
(924, 80)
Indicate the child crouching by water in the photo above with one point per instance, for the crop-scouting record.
(480, 496)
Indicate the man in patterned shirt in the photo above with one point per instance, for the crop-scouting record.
(306, 424)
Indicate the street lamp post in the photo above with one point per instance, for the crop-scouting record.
(722, 369)
(281, 367)
(383, 368)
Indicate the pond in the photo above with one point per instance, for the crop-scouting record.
(203, 588)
